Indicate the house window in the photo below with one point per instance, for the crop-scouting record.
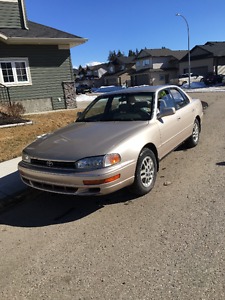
(111, 69)
(15, 72)
(146, 62)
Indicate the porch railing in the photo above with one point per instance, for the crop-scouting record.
(4, 95)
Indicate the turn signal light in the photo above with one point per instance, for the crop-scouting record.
(112, 159)
(101, 181)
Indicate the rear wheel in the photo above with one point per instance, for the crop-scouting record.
(194, 138)
(145, 174)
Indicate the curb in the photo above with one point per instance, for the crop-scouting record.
(16, 124)
(11, 186)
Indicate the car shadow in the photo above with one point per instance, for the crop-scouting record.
(38, 209)
(221, 164)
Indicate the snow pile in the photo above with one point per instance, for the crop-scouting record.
(96, 92)
(85, 97)
(106, 89)
(201, 87)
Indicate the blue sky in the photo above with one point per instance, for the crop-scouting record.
(124, 25)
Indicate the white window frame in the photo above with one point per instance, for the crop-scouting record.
(13, 62)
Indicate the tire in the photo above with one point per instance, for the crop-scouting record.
(145, 174)
(194, 138)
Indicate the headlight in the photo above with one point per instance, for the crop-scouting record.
(26, 157)
(98, 162)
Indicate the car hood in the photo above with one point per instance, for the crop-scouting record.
(80, 140)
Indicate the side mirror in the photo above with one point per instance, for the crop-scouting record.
(79, 114)
(166, 111)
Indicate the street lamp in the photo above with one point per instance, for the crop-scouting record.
(189, 54)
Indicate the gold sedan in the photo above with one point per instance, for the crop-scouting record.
(118, 141)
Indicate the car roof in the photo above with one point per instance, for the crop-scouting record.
(140, 89)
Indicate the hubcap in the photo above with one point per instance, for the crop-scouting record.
(147, 171)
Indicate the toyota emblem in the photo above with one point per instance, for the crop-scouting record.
(49, 163)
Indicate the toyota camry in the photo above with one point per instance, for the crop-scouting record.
(118, 141)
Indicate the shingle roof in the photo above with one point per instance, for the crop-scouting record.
(39, 32)
(158, 52)
(97, 67)
(179, 53)
(216, 48)
(209, 49)
(126, 59)
(119, 73)
(165, 52)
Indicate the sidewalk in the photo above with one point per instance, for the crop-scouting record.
(10, 182)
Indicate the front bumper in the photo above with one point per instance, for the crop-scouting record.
(72, 183)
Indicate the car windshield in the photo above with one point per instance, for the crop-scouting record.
(119, 107)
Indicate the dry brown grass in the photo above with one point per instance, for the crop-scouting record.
(14, 139)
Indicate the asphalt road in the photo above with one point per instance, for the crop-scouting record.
(169, 244)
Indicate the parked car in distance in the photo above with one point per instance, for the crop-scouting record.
(83, 88)
(223, 79)
(118, 141)
(184, 78)
(212, 78)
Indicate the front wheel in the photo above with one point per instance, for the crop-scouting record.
(194, 138)
(145, 174)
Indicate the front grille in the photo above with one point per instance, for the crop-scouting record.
(53, 164)
(50, 187)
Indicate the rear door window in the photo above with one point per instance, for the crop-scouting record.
(180, 99)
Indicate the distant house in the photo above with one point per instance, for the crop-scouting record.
(206, 58)
(91, 75)
(97, 71)
(35, 60)
(75, 73)
(120, 70)
(156, 66)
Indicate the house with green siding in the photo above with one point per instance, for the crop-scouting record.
(35, 61)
